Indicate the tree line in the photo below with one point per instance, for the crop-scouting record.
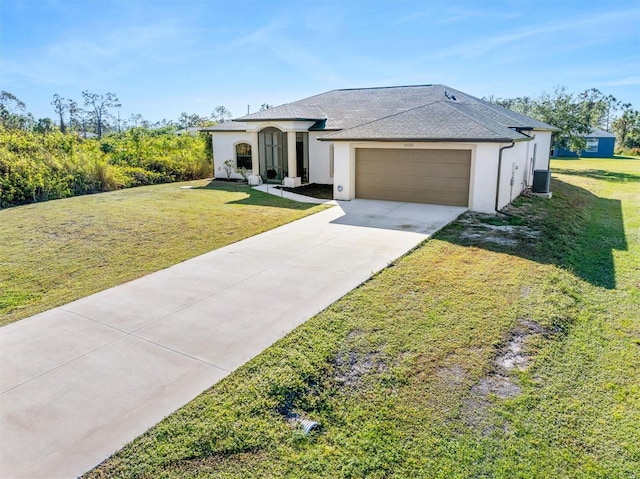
(95, 114)
(39, 167)
(577, 115)
(89, 148)
(45, 159)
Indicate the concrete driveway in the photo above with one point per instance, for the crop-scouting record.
(80, 381)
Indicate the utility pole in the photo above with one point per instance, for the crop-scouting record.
(248, 109)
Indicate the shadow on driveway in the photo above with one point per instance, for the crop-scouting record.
(398, 216)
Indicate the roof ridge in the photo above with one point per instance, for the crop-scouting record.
(384, 87)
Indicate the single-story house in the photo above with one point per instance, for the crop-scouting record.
(424, 144)
(190, 131)
(600, 144)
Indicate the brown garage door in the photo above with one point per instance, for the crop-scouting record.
(417, 176)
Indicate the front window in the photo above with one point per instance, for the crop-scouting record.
(243, 156)
(592, 145)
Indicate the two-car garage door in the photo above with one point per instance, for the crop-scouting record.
(417, 176)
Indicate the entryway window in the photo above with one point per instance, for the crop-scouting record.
(302, 155)
(272, 144)
(243, 156)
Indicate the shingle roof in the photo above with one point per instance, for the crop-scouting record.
(598, 133)
(227, 126)
(288, 111)
(380, 113)
(437, 121)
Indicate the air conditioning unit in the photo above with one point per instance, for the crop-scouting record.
(541, 181)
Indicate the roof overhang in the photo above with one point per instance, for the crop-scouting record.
(230, 130)
(429, 140)
(247, 120)
(551, 129)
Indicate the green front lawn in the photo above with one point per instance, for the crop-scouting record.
(55, 252)
(419, 373)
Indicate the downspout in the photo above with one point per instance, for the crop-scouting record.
(213, 160)
(529, 173)
(500, 170)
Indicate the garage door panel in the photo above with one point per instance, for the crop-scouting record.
(415, 169)
(418, 182)
(423, 176)
(443, 156)
(443, 198)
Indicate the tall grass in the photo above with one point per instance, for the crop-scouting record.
(43, 166)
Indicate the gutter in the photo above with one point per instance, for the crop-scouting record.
(500, 170)
(427, 140)
(243, 119)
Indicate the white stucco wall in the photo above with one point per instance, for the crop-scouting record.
(513, 175)
(543, 150)
(224, 148)
(319, 159)
(484, 169)
(537, 156)
(344, 169)
(519, 163)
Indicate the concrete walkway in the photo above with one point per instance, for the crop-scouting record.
(80, 381)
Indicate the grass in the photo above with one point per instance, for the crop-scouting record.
(405, 373)
(62, 250)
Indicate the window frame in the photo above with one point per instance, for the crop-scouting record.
(246, 158)
(592, 145)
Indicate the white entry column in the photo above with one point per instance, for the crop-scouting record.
(292, 180)
(255, 158)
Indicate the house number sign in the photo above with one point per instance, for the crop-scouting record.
(408, 145)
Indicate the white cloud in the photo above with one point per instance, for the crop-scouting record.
(457, 14)
(629, 81)
(273, 41)
(445, 15)
(92, 58)
(522, 37)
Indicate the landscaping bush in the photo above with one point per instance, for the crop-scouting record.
(44, 166)
(628, 151)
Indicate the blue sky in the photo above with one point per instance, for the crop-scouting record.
(165, 57)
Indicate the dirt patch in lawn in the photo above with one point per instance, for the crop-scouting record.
(512, 355)
(351, 367)
(496, 229)
(499, 383)
(314, 190)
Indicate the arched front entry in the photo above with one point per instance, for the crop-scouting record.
(272, 146)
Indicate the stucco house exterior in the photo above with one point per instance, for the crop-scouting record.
(425, 144)
(600, 144)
